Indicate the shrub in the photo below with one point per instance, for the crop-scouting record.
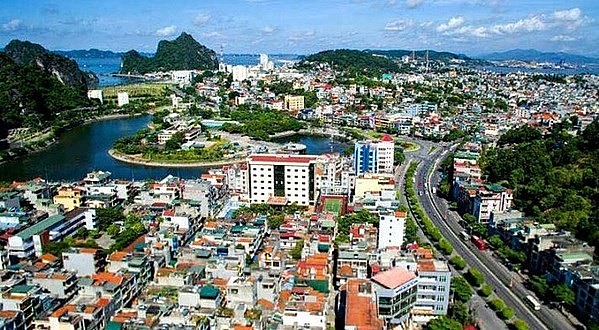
(497, 304)
(485, 290)
(519, 324)
(475, 277)
(506, 313)
(458, 262)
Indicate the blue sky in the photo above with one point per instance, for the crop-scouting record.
(304, 26)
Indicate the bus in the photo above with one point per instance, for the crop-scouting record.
(533, 302)
(464, 235)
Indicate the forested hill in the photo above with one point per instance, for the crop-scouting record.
(421, 54)
(30, 96)
(352, 61)
(65, 70)
(183, 53)
(555, 177)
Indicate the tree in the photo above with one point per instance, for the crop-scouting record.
(506, 313)
(445, 246)
(398, 156)
(296, 252)
(519, 324)
(475, 277)
(107, 216)
(113, 230)
(458, 262)
(461, 289)
(485, 290)
(497, 304)
(175, 142)
(496, 241)
(539, 285)
(275, 221)
(443, 323)
(563, 294)
(461, 313)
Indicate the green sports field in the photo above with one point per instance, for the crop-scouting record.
(332, 205)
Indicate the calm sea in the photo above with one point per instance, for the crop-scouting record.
(104, 67)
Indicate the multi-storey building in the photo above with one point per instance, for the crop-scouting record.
(374, 156)
(290, 178)
(395, 291)
(294, 103)
(434, 279)
(491, 198)
(30, 240)
(391, 229)
(70, 197)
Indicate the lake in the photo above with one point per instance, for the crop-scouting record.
(85, 149)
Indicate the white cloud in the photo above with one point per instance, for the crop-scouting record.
(268, 30)
(201, 19)
(570, 19)
(563, 38)
(214, 35)
(427, 24)
(166, 31)
(452, 24)
(398, 25)
(302, 36)
(573, 14)
(12, 25)
(413, 3)
(529, 24)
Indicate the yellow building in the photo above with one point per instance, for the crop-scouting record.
(294, 103)
(69, 197)
(373, 183)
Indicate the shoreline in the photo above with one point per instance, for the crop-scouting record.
(86, 122)
(136, 161)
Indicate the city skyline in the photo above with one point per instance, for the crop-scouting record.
(472, 27)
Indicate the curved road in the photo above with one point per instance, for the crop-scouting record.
(495, 273)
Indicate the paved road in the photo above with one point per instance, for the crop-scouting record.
(495, 273)
(484, 315)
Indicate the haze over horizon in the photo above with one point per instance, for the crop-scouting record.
(471, 27)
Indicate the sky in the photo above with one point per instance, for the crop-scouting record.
(471, 27)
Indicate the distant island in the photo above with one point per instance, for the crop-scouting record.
(88, 53)
(183, 53)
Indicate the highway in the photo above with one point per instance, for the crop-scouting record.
(499, 277)
(485, 317)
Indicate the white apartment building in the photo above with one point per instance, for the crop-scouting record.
(491, 198)
(374, 156)
(122, 98)
(239, 72)
(286, 178)
(434, 279)
(392, 227)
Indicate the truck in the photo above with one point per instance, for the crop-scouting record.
(478, 242)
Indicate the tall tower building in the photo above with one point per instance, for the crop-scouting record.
(374, 156)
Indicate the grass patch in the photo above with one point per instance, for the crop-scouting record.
(136, 90)
(332, 205)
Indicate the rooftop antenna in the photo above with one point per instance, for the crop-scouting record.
(413, 55)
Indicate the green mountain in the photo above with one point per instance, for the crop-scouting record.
(353, 61)
(65, 70)
(35, 85)
(183, 53)
(421, 54)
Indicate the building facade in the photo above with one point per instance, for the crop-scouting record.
(374, 156)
